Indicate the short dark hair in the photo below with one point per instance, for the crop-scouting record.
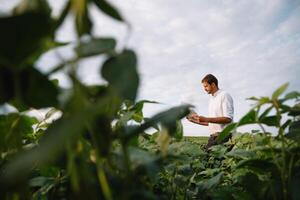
(209, 78)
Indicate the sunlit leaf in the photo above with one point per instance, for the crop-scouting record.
(249, 118)
(279, 91)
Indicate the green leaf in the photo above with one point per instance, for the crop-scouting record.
(295, 110)
(179, 131)
(121, 73)
(253, 185)
(258, 165)
(286, 124)
(192, 150)
(241, 153)
(27, 87)
(138, 116)
(13, 128)
(262, 101)
(52, 144)
(226, 132)
(266, 112)
(270, 121)
(83, 22)
(95, 46)
(108, 9)
(140, 104)
(279, 91)
(292, 95)
(249, 118)
(212, 182)
(21, 49)
(40, 181)
(294, 131)
(253, 98)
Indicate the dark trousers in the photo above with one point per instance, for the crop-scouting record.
(212, 140)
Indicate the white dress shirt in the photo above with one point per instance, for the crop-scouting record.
(220, 105)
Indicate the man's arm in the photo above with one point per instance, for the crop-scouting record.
(216, 120)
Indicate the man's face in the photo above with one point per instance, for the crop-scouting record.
(208, 87)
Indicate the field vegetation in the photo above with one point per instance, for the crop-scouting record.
(98, 148)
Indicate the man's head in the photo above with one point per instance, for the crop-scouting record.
(210, 84)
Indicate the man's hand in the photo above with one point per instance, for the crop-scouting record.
(202, 119)
(192, 117)
(196, 118)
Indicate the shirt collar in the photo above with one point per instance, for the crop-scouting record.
(216, 93)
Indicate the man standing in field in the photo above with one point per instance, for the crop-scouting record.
(220, 110)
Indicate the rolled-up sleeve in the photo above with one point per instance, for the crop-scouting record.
(227, 106)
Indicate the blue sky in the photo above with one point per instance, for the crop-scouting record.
(251, 46)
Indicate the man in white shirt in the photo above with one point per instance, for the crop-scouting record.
(220, 110)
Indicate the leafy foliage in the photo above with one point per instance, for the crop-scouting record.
(98, 148)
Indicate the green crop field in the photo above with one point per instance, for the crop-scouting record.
(196, 139)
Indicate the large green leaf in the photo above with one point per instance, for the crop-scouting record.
(52, 144)
(24, 38)
(96, 46)
(270, 121)
(121, 73)
(249, 118)
(212, 182)
(226, 132)
(266, 112)
(279, 91)
(27, 88)
(108, 9)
